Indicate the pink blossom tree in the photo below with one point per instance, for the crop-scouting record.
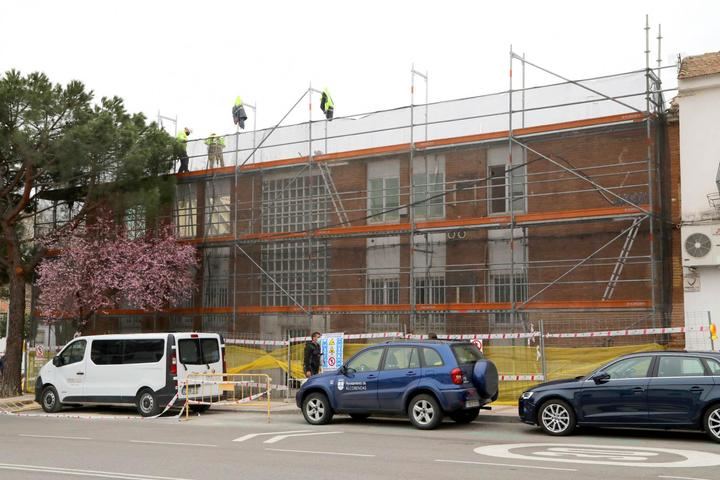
(98, 266)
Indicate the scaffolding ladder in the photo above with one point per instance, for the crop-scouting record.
(334, 195)
(622, 259)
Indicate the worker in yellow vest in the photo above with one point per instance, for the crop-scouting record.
(326, 104)
(182, 138)
(215, 150)
(238, 112)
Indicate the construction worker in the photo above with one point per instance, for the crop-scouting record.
(182, 137)
(238, 112)
(326, 104)
(215, 150)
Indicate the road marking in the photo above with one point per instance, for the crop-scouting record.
(602, 455)
(173, 443)
(681, 478)
(508, 465)
(283, 437)
(82, 473)
(253, 435)
(57, 437)
(320, 453)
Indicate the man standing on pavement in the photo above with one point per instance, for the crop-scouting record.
(311, 361)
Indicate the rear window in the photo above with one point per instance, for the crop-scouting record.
(119, 352)
(466, 353)
(195, 351)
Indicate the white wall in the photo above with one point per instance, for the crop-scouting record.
(699, 102)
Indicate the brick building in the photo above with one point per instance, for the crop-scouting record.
(418, 219)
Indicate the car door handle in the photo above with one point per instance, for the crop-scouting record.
(697, 389)
(638, 389)
(410, 374)
(80, 373)
(371, 376)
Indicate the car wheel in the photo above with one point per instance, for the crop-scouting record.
(147, 403)
(711, 422)
(556, 418)
(465, 416)
(50, 400)
(359, 417)
(316, 409)
(425, 412)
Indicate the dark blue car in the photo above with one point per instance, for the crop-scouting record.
(423, 380)
(647, 390)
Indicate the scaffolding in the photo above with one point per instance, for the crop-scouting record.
(296, 201)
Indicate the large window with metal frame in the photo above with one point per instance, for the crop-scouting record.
(383, 199)
(428, 191)
(430, 289)
(186, 210)
(500, 291)
(499, 180)
(294, 203)
(216, 277)
(383, 291)
(217, 207)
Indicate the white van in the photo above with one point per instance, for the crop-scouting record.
(138, 369)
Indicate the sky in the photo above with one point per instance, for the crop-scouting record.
(191, 59)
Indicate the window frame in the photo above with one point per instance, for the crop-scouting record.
(381, 360)
(648, 373)
(387, 200)
(388, 350)
(656, 368)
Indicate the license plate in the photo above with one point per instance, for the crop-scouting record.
(472, 404)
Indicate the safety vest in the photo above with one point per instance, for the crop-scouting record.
(238, 101)
(215, 140)
(238, 112)
(182, 136)
(327, 105)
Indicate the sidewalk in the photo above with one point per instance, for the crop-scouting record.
(18, 404)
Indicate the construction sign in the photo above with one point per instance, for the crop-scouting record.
(332, 346)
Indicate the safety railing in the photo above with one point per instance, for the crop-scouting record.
(202, 390)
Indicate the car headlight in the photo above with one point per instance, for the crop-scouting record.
(526, 395)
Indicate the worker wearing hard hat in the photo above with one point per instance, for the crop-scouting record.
(215, 150)
(182, 137)
(238, 112)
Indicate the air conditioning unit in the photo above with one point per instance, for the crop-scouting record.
(701, 245)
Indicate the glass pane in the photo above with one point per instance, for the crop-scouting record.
(143, 351)
(680, 367)
(630, 368)
(432, 358)
(367, 361)
(106, 352)
(714, 366)
(399, 358)
(210, 350)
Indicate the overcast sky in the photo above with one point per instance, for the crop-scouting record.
(191, 59)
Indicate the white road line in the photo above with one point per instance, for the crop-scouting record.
(82, 473)
(57, 437)
(681, 478)
(319, 453)
(253, 435)
(283, 437)
(508, 465)
(174, 443)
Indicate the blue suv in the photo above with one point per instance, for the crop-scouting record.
(647, 390)
(424, 380)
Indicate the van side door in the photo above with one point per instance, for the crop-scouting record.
(71, 371)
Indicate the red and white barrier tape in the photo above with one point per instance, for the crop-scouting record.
(521, 378)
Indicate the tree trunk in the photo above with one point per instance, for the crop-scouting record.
(10, 384)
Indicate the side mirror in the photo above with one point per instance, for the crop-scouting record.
(601, 378)
(57, 361)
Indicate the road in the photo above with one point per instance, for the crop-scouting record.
(232, 445)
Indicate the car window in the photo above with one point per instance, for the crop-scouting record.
(144, 351)
(199, 352)
(106, 352)
(713, 365)
(401, 358)
(680, 367)
(636, 367)
(367, 361)
(466, 353)
(74, 353)
(432, 357)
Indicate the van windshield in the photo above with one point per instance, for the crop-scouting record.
(199, 351)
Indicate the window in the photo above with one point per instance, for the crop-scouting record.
(143, 351)
(428, 189)
(384, 199)
(713, 365)
(186, 211)
(430, 290)
(196, 351)
(680, 367)
(367, 361)
(636, 367)
(401, 358)
(500, 292)
(50, 215)
(496, 188)
(383, 291)
(498, 183)
(431, 357)
(135, 222)
(74, 353)
(216, 277)
(106, 352)
(217, 207)
(465, 353)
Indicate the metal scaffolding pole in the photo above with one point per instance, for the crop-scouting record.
(650, 173)
(510, 185)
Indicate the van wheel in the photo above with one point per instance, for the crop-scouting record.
(316, 409)
(147, 403)
(425, 412)
(711, 422)
(50, 400)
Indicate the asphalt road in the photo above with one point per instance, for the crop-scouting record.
(232, 445)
